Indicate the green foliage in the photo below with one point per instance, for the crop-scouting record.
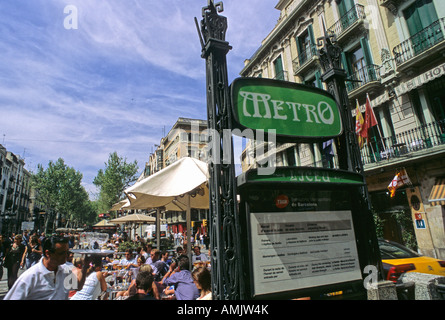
(378, 225)
(113, 180)
(124, 246)
(406, 224)
(59, 189)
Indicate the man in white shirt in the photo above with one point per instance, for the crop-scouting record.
(129, 261)
(50, 279)
(198, 256)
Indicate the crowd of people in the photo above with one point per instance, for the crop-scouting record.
(54, 273)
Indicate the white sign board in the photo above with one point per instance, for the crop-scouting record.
(27, 225)
(296, 250)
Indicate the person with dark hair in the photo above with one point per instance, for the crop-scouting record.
(50, 279)
(33, 251)
(92, 280)
(129, 261)
(15, 259)
(203, 281)
(144, 286)
(181, 278)
(160, 267)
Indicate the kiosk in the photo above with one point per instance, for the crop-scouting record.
(307, 231)
(307, 234)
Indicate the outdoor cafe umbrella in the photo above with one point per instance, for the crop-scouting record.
(134, 219)
(104, 224)
(180, 186)
(121, 204)
(171, 183)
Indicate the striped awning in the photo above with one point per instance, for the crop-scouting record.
(437, 196)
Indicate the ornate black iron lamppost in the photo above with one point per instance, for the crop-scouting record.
(227, 280)
(335, 77)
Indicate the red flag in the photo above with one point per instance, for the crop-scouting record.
(370, 119)
(359, 126)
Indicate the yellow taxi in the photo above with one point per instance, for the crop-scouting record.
(398, 259)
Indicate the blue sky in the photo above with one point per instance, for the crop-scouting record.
(128, 71)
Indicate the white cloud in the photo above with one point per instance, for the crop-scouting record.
(129, 71)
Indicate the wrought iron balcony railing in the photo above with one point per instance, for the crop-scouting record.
(405, 143)
(304, 57)
(357, 12)
(420, 42)
(363, 76)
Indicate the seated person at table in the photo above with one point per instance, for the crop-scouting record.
(160, 268)
(198, 256)
(129, 261)
(181, 278)
(132, 289)
(92, 280)
(203, 282)
(144, 286)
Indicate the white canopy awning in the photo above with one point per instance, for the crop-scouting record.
(167, 187)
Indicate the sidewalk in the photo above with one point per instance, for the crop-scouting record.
(4, 282)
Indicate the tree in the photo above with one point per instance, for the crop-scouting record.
(117, 176)
(60, 191)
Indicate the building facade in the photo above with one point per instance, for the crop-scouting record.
(187, 138)
(393, 53)
(15, 190)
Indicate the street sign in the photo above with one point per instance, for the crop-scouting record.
(303, 175)
(293, 110)
(420, 224)
(27, 225)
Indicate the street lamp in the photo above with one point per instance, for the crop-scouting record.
(7, 220)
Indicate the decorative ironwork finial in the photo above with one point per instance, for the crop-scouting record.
(329, 52)
(218, 7)
(213, 26)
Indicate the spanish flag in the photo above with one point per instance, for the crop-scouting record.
(359, 126)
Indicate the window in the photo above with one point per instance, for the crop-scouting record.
(306, 45)
(423, 25)
(344, 6)
(420, 15)
(436, 97)
(359, 66)
(278, 66)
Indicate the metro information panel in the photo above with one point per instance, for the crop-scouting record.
(296, 250)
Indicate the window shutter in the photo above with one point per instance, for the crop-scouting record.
(318, 79)
(370, 71)
(345, 63)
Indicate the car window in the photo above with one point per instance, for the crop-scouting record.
(393, 251)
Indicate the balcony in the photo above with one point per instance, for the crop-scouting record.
(421, 141)
(424, 44)
(305, 60)
(353, 19)
(363, 79)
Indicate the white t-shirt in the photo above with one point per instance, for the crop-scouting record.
(38, 283)
(201, 257)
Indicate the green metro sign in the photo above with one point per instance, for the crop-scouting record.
(293, 110)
